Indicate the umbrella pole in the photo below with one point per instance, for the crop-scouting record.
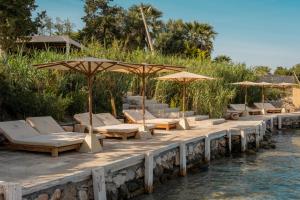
(144, 131)
(246, 95)
(143, 100)
(263, 97)
(90, 86)
(91, 143)
(183, 100)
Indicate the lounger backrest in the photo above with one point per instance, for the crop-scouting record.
(16, 131)
(45, 125)
(265, 105)
(108, 119)
(84, 119)
(137, 115)
(237, 106)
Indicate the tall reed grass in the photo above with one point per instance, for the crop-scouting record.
(26, 91)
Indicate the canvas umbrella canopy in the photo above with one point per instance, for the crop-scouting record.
(184, 78)
(143, 71)
(245, 84)
(89, 67)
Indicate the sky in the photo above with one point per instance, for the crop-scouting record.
(255, 32)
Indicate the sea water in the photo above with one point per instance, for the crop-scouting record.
(270, 174)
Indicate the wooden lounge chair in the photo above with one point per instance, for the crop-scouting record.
(112, 131)
(21, 136)
(135, 116)
(241, 107)
(269, 108)
(108, 119)
(47, 125)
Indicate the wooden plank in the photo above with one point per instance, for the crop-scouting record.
(99, 183)
(229, 140)
(207, 149)
(149, 172)
(182, 155)
(243, 141)
(11, 191)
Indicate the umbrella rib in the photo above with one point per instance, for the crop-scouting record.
(84, 69)
(69, 67)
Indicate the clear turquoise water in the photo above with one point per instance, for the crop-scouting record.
(270, 174)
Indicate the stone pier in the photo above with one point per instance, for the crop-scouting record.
(126, 169)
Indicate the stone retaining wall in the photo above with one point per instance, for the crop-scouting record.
(126, 178)
(195, 153)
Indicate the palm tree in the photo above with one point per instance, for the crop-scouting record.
(134, 29)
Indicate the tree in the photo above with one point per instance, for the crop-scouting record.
(222, 59)
(16, 21)
(171, 39)
(134, 33)
(262, 70)
(103, 21)
(200, 36)
(283, 71)
(192, 39)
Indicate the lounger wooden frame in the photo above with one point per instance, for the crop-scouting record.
(41, 148)
(157, 125)
(109, 134)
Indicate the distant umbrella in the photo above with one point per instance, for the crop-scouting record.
(245, 84)
(184, 78)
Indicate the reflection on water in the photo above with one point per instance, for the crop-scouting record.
(271, 174)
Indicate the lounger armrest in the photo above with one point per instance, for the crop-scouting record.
(79, 128)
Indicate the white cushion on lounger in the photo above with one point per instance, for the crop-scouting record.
(52, 140)
(108, 119)
(17, 130)
(45, 125)
(159, 121)
(84, 119)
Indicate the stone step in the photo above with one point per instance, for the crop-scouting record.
(157, 106)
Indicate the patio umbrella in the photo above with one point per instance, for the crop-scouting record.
(143, 71)
(89, 67)
(184, 78)
(263, 85)
(245, 84)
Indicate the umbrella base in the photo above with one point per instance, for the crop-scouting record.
(90, 144)
(183, 124)
(263, 111)
(144, 133)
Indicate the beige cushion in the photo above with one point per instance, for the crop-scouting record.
(120, 128)
(108, 119)
(136, 115)
(84, 119)
(267, 106)
(19, 132)
(241, 107)
(16, 131)
(45, 125)
(52, 140)
(159, 121)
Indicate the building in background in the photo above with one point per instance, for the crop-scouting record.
(58, 42)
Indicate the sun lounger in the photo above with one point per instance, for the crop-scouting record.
(241, 107)
(21, 136)
(118, 131)
(135, 116)
(47, 125)
(108, 119)
(269, 108)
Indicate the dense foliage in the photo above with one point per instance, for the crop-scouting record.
(26, 91)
